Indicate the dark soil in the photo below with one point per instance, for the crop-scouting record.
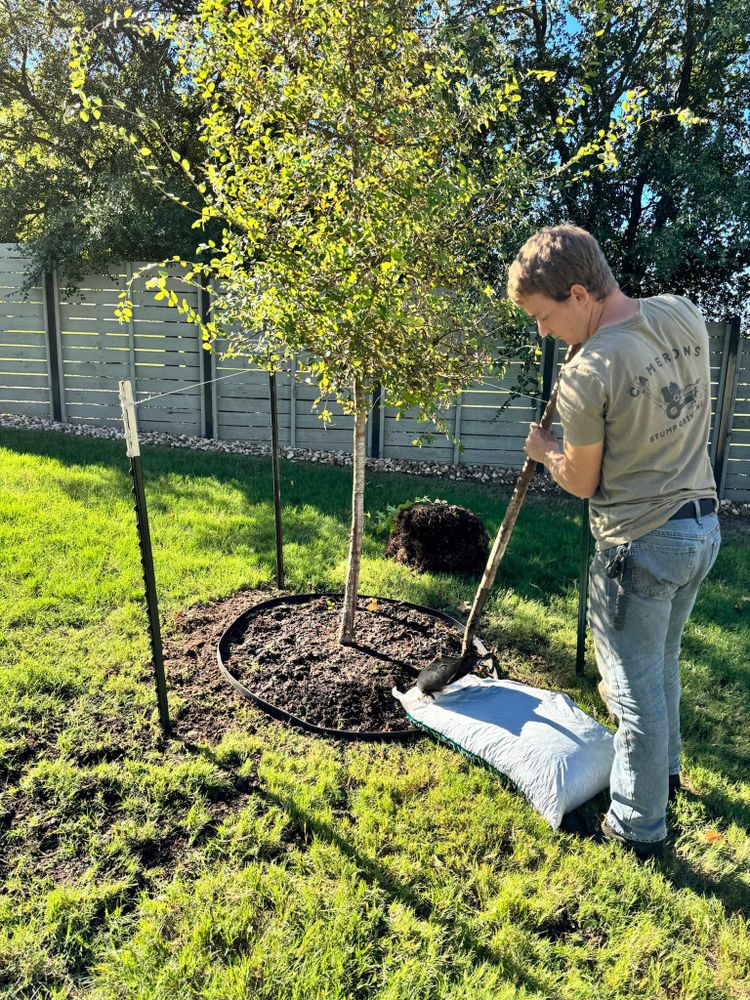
(439, 537)
(210, 705)
(289, 656)
(314, 678)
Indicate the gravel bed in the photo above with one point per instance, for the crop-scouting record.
(476, 473)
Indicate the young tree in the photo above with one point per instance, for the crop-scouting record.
(337, 157)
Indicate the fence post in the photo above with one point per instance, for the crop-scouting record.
(724, 403)
(293, 403)
(549, 354)
(457, 428)
(131, 332)
(381, 421)
(53, 354)
(204, 304)
(375, 425)
(549, 357)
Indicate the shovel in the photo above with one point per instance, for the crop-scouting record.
(445, 669)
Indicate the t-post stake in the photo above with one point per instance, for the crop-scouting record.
(144, 541)
(583, 588)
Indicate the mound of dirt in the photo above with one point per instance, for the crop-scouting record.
(439, 537)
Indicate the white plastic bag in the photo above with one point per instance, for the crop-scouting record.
(558, 756)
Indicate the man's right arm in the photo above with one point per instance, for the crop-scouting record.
(577, 468)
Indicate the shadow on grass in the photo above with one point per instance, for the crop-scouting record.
(395, 890)
(729, 890)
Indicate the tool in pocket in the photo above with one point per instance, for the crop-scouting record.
(616, 568)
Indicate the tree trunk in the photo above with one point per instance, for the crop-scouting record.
(346, 632)
(629, 273)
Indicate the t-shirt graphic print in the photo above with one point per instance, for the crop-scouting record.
(642, 386)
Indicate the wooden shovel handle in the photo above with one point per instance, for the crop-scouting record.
(511, 514)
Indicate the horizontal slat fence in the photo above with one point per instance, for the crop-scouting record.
(736, 478)
(161, 353)
(24, 363)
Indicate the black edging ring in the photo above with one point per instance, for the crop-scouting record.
(401, 735)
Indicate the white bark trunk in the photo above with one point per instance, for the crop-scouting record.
(359, 453)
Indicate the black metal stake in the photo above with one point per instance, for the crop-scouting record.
(583, 589)
(276, 483)
(375, 442)
(144, 542)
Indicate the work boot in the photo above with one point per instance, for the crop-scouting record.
(674, 786)
(583, 825)
(643, 850)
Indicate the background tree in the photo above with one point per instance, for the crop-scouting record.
(674, 212)
(77, 200)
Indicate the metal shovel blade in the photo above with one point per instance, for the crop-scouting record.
(444, 670)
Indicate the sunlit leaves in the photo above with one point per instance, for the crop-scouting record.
(337, 153)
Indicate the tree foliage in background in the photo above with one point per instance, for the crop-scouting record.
(674, 212)
(78, 201)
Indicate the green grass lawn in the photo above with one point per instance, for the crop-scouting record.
(277, 865)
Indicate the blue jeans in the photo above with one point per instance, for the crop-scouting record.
(637, 622)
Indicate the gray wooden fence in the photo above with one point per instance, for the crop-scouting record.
(62, 358)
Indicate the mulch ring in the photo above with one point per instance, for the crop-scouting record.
(289, 656)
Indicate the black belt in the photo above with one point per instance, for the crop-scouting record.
(706, 506)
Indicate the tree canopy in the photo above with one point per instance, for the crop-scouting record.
(336, 152)
(339, 157)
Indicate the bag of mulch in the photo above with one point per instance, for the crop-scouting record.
(558, 756)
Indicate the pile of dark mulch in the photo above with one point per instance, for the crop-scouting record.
(439, 537)
(289, 655)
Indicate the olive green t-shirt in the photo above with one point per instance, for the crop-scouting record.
(643, 387)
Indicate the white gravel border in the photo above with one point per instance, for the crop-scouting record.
(477, 473)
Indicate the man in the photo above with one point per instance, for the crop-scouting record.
(635, 409)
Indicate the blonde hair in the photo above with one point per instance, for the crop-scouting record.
(555, 258)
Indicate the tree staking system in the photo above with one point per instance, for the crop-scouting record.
(144, 541)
